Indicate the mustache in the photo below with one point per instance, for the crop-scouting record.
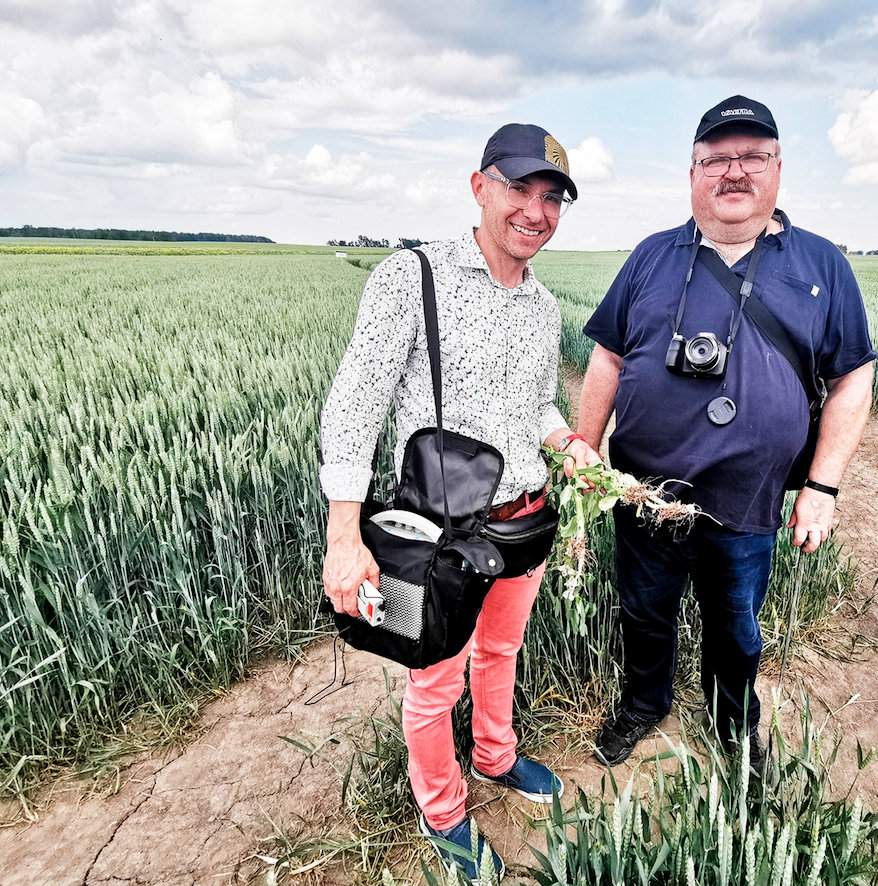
(738, 186)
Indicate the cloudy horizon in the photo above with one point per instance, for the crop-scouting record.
(306, 122)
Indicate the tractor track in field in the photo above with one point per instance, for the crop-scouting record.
(199, 813)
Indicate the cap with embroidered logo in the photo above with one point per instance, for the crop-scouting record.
(740, 111)
(520, 149)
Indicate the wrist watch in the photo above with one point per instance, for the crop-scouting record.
(566, 441)
(822, 487)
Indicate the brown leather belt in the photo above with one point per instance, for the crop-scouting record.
(508, 508)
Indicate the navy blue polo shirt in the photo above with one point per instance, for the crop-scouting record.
(737, 471)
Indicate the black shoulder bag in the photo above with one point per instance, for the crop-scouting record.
(773, 330)
(433, 592)
(523, 542)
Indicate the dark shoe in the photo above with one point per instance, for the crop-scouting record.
(619, 734)
(758, 757)
(760, 762)
(530, 779)
(461, 836)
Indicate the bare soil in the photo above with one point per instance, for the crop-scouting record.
(201, 812)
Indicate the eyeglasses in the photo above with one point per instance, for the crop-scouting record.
(751, 164)
(519, 195)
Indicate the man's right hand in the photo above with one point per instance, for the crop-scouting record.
(581, 456)
(348, 561)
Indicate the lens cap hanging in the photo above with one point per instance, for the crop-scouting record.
(721, 410)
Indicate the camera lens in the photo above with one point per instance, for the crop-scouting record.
(702, 351)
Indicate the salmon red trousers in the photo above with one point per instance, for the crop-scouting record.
(437, 782)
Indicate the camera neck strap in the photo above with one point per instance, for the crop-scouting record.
(744, 292)
(765, 320)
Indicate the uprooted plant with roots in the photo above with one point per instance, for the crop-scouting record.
(595, 490)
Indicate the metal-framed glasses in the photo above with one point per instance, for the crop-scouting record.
(751, 164)
(519, 195)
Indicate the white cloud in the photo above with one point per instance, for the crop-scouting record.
(590, 161)
(432, 189)
(854, 135)
(864, 174)
(319, 173)
(127, 113)
(22, 121)
(228, 26)
(67, 19)
(318, 157)
(226, 202)
(157, 118)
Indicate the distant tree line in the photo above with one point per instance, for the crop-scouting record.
(374, 243)
(847, 251)
(119, 234)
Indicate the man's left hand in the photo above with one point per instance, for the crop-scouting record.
(811, 520)
(581, 456)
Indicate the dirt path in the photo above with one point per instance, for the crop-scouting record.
(199, 814)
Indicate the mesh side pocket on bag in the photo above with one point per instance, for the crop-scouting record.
(403, 606)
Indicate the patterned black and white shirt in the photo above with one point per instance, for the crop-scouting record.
(499, 350)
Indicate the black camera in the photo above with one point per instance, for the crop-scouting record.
(702, 356)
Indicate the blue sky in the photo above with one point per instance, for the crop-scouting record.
(305, 121)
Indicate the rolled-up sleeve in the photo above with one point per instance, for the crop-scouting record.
(361, 393)
(550, 416)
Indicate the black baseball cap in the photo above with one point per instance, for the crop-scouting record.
(738, 110)
(520, 149)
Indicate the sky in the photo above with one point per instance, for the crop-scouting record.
(305, 121)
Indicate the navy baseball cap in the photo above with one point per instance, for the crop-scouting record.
(738, 110)
(520, 149)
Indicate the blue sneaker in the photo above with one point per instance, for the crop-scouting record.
(460, 835)
(529, 778)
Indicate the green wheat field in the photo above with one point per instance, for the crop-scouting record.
(161, 522)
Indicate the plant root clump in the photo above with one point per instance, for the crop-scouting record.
(578, 549)
(676, 512)
(587, 496)
(638, 494)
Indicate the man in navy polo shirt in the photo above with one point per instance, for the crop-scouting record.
(703, 395)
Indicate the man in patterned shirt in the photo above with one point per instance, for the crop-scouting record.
(499, 339)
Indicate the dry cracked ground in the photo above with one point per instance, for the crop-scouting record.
(202, 812)
(196, 814)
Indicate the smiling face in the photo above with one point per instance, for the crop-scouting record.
(735, 207)
(511, 233)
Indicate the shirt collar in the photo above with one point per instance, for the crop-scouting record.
(467, 254)
(781, 239)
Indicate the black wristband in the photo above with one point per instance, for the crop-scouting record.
(820, 487)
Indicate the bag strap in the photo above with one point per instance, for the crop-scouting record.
(764, 319)
(431, 324)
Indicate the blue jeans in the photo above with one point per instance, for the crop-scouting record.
(730, 572)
